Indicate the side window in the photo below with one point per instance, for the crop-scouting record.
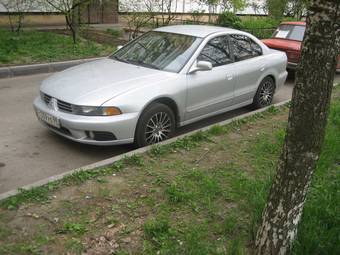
(216, 51)
(244, 47)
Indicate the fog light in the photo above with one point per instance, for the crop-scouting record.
(90, 134)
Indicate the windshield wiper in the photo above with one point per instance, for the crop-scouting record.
(136, 62)
(120, 59)
(141, 63)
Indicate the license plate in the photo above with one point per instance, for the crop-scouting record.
(47, 118)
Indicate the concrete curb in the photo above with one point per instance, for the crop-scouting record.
(110, 161)
(14, 71)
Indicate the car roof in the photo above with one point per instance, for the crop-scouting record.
(299, 23)
(195, 30)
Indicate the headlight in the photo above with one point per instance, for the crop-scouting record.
(96, 111)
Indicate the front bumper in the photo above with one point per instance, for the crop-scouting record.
(78, 127)
(291, 65)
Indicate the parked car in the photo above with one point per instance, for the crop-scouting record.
(288, 37)
(169, 77)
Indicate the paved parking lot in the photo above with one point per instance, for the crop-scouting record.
(29, 152)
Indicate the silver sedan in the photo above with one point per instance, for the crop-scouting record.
(169, 77)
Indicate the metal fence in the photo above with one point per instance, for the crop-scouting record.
(261, 33)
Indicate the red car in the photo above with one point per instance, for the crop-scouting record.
(288, 37)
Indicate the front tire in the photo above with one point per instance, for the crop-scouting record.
(264, 94)
(156, 124)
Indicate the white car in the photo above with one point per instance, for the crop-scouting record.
(169, 77)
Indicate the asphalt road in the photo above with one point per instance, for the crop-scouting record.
(29, 152)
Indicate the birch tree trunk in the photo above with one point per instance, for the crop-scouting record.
(306, 128)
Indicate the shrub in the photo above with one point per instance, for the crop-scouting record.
(229, 19)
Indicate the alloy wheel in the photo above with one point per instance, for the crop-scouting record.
(266, 93)
(158, 128)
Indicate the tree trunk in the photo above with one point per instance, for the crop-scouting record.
(20, 21)
(305, 131)
(75, 22)
(70, 26)
(11, 22)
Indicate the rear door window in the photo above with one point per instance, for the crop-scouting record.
(216, 51)
(244, 47)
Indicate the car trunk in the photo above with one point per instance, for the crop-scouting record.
(290, 47)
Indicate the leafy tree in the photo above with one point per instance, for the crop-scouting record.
(306, 129)
(297, 8)
(226, 5)
(229, 19)
(276, 8)
(233, 5)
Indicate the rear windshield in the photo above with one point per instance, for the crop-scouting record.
(290, 32)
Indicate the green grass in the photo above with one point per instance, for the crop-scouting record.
(37, 47)
(180, 205)
(74, 228)
(114, 32)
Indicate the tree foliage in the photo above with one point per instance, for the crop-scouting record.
(294, 8)
(276, 8)
(229, 19)
(297, 8)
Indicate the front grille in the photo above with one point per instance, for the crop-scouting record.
(63, 106)
(46, 98)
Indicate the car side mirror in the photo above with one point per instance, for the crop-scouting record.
(201, 66)
(119, 47)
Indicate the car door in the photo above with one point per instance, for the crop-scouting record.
(211, 91)
(249, 65)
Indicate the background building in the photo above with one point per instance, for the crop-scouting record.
(97, 12)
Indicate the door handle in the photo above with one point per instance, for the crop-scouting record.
(229, 77)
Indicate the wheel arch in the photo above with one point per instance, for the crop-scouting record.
(168, 102)
(272, 77)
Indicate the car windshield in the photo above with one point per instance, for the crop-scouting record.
(290, 32)
(159, 50)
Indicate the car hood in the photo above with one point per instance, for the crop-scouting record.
(96, 82)
(282, 44)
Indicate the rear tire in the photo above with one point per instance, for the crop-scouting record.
(264, 94)
(156, 124)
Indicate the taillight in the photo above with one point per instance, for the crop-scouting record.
(293, 56)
